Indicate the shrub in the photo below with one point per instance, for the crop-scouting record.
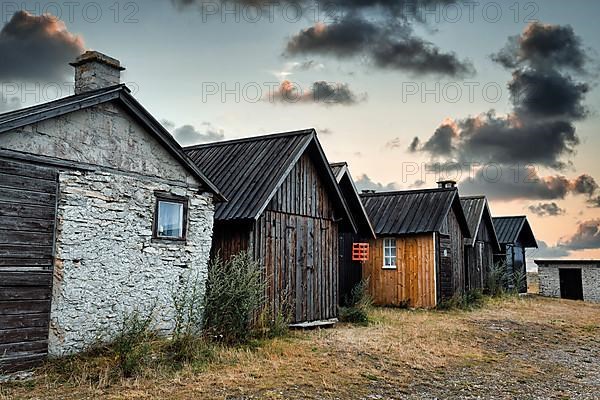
(273, 324)
(359, 305)
(188, 299)
(497, 280)
(469, 300)
(132, 344)
(234, 294)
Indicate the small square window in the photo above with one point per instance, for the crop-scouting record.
(389, 253)
(170, 219)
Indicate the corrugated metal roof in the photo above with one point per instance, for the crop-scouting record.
(348, 188)
(510, 228)
(26, 116)
(412, 211)
(249, 171)
(477, 211)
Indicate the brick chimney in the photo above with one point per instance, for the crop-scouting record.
(94, 70)
(447, 184)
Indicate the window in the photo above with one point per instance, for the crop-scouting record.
(389, 253)
(170, 217)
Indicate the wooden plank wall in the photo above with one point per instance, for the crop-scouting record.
(451, 275)
(479, 259)
(412, 283)
(230, 239)
(27, 223)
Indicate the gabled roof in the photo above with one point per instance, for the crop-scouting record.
(477, 212)
(120, 93)
(348, 189)
(511, 229)
(250, 170)
(413, 211)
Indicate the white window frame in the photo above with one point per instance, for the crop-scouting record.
(390, 261)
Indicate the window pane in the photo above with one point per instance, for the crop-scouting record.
(170, 219)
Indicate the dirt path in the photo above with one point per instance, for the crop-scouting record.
(531, 348)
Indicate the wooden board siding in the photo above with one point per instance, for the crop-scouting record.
(451, 273)
(413, 282)
(27, 223)
(230, 239)
(479, 259)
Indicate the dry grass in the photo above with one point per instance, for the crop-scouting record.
(510, 346)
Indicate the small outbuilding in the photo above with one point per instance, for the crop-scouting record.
(351, 244)
(515, 236)
(481, 247)
(284, 207)
(570, 279)
(417, 258)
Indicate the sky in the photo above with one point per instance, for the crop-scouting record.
(499, 95)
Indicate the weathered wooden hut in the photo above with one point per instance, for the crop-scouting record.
(417, 258)
(101, 213)
(350, 269)
(515, 235)
(285, 208)
(481, 247)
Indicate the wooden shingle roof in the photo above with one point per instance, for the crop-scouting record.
(413, 211)
(121, 94)
(511, 229)
(477, 212)
(249, 171)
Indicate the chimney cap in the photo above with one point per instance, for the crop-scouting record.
(368, 191)
(447, 183)
(96, 56)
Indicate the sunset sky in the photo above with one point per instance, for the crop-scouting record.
(507, 89)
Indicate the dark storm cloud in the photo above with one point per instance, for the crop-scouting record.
(585, 184)
(502, 183)
(547, 102)
(544, 46)
(37, 48)
(546, 209)
(547, 94)
(188, 135)
(385, 45)
(547, 252)
(365, 183)
(586, 237)
(320, 92)
(414, 145)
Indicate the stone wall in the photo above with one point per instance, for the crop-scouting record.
(591, 283)
(549, 281)
(108, 265)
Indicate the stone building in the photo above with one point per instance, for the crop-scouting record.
(101, 215)
(570, 279)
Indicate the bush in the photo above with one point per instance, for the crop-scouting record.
(132, 345)
(359, 305)
(234, 294)
(497, 280)
(188, 303)
(470, 300)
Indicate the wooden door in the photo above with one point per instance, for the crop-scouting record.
(28, 195)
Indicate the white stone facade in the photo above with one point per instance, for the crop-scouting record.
(549, 277)
(107, 263)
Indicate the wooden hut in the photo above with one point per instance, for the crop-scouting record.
(480, 249)
(285, 208)
(515, 235)
(417, 258)
(351, 269)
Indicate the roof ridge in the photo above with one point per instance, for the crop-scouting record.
(337, 164)
(411, 191)
(268, 136)
(510, 216)
(482, 196)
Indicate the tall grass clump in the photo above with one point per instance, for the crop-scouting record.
(233, 299)
(359, 305)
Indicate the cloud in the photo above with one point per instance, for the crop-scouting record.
(547, 209)
(594, 202)
(586, 237)
(37, 48)
(9, 103)
(547, 252)
(523, 183)
(324, 131)
(187, 135)
(546, 101)
(365, 183)
(385, 45)
(321, 92)
(395, 143)
(585, 184)
(414, 145)
(544, 46)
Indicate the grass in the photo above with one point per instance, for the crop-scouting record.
(508, 346)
